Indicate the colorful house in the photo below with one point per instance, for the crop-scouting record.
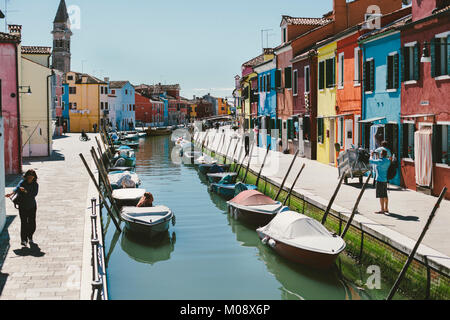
(125, 104)
(222, 107)
(326, 103)
(425, 92)
(65, 108)
(11, 155)
(86, 96)
(269, 132)
(381, 109)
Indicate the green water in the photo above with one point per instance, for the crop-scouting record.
(206, 255)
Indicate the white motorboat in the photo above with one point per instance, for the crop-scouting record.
(149, 221)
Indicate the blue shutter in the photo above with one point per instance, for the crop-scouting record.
(372, 75)
(416, 62)
(433, 57)
(396, 72)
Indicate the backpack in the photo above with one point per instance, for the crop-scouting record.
(392, 171)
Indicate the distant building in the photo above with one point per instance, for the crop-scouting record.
(61, 39)
(125, 117)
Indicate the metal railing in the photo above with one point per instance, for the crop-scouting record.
(99, 282)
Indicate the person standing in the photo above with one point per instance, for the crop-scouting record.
(27, 190)
(381, 166)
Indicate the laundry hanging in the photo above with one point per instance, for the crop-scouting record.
(423, 156)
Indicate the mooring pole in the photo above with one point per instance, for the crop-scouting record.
(240, 163)
(287, 173)
(293, 185)
(100, 193)
(416, 247)
(325, 215)
(228, 150)
(355, 208)
(262, 166)
(234, 153)
(249, 161)
(221, 143)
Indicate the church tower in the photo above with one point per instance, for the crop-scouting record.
(61, 39)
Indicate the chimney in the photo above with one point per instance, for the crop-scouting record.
(15, 30)
(340, 15)
(106, 79)
(84, 79)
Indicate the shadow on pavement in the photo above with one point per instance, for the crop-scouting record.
(56, 156)
(32, 251)
(403, 218)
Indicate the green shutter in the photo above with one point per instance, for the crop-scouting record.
(290, 127)
(278, 79)
(321, 74)
(333, 70)
(433, 58)
(404, 50)
(288, 78)
(388, 73)
(279, 124)
(448, 55)
(416, 62)
(396, 72)
(372, 75)
(365, 75)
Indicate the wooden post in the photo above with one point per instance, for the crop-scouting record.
(416, 247)
(100, 193)
(287, 173)
(221, 143)
(234, 153)
(249, 161)
(262, 166)
(240, 163)
(228, 150)
(355, 208)
(327, 211)
(293, 185)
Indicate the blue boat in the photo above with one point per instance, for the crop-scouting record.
(229, 190)
(206, 168)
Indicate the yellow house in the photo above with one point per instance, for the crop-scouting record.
(35, 101)
(326, 103)
(88, 102)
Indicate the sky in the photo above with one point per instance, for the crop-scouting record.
(199, 44)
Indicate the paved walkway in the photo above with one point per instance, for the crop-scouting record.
(53, 269)
(409, 209)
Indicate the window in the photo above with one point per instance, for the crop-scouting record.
(306, 129)
(441, 144)
(369, 75)
(278, 79)
(70, 78)
(392, 72)
(295, 83)
(269, 82)
(440, 56)
(330, 72)
(321, 75)
(341, 71)
(307, 79)
(288, 78)
(101, 104)
(320, 130)
(408, 140)
(101, 90)
(63, 90)
(341, 132)
(357, 60)
(410, 62)
(126, 92)
(284, 35)
(113, 91)
(106, 106)
(63, 105)
(72, 90)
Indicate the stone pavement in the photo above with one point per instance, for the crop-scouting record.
(53, 269)
(409, 209)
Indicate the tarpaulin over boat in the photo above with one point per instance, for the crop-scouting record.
(252, 198)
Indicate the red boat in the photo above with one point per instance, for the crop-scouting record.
(302, 239)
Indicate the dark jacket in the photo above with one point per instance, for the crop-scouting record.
(28, 199)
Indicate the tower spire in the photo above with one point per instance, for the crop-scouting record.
(61, 15)
(61, 39)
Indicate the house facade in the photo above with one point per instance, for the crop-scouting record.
(124, 102)
(65, 107)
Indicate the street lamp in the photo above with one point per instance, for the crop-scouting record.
(426, 58)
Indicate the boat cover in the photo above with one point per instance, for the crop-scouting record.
(228, 179)
(302, 231)
(128, 194)
(145, 215)
(216, 169)
(252, 198)
(116, 178)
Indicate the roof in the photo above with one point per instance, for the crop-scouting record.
(305, 21)
(90, 79)
(36, 50)
(388, 28)
(117, 84)
(61, 15)
(6, 37)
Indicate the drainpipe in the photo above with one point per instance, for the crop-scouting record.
(19, 130)
(48, 112)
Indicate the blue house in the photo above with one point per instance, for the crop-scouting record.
(267, 104)
(65, 108)
(381, 103)
(165, 100)
(125, 117)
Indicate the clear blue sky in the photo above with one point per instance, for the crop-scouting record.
(200, 44)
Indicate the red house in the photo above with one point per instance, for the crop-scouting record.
(425, 94)
(9, 102)
(149, 108)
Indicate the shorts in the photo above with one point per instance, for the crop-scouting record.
(381, 190)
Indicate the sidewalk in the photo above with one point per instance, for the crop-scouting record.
(401, 228)
(53, 270)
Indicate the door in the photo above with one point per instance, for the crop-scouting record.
(348, 137)
(332, 140)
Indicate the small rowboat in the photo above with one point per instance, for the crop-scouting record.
(130, 144)
(148, 222)
(302, 239)
(255, 208)
(206, 168)
(159, 131)
(216, 177)
(113, 169)
(128, 197)
(116, 176)
(230, 190)
(132, 135)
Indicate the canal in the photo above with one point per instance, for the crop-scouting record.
(206, 255)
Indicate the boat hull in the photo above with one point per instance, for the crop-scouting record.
(149, 231)
(256, 219)
(301, 256)
(205, 168)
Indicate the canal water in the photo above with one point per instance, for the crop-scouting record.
(206, 255)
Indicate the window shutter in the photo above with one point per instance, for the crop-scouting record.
(396, 72)
(416, 62)
(278, 79)
(372, 75)
(404, 53)
(321, 75)
(436, 143)
(288, 78)
(290, 126)
(433, 57)
(448, 55)
(365, 76)
(333, 73)
(279, 124)
(389, 73)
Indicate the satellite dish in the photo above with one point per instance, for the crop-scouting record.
(406, 2)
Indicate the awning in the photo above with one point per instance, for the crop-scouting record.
(335, 116)
(372, 120)
(418, 116)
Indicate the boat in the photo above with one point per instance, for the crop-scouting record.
(128, 155)
(227, 189)
(114, 169)
(255, 208)
(132, 135)
(142, 135)
(149, 221)
(116, 176)
(212, 167)
(159, 131)
(130, 144)
(302, 239)
(216, 177)
(128, 197)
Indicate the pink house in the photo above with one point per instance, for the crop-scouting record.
(9, 102)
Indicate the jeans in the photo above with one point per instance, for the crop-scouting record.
(28, 223)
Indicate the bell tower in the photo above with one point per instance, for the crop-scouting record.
(61, 39)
